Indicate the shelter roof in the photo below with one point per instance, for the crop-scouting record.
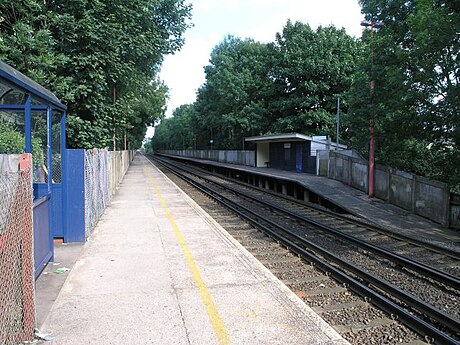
(279, 137)
(290, 137)
(11, 78)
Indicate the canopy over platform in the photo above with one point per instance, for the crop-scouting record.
(11, 79)
(292, 137)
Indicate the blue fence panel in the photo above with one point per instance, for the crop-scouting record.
(43, 242)
(74, 198)
(56, 211)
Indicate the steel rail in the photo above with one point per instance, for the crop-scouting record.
(424, 269)
(414, 265)
(428, 245)
(387, 305)
(454, 254)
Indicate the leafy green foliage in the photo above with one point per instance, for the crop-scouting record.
(311, 69)
(12, 141)
(251, 88)
(101, 58)
(232, 101)
(182, 127)
(26, 43)
(416, 98)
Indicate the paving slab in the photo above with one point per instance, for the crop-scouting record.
(135, 281)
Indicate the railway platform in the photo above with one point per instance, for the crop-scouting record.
(159, 270)
(355, 202)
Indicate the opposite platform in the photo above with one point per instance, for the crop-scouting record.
(355, 202)
(159, 270)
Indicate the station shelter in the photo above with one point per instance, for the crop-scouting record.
(290, 151)
(33, 114)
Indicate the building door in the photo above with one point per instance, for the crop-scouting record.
(298, 158)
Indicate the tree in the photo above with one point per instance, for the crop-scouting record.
(113, 80)
(253, 88)
(310, 69)
(178, 132)
(27, 43)
(416, 97)
(232, 102)
(100, 57)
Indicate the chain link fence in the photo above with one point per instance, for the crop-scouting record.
(97, 193)
(17, 300)
(118, 165)
(57, 168)
(104, 170)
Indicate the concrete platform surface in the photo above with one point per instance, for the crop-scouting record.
(50, 282)
(159, 270)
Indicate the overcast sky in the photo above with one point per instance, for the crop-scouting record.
(258, 19)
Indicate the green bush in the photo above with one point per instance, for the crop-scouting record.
(12, 142)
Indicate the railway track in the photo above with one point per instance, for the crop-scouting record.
(406, 292)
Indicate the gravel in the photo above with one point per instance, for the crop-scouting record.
(313, 285)
(353, 316)
(381, 335)
(324, 300)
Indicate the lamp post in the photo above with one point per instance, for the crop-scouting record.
(372, 25)
(338, 122)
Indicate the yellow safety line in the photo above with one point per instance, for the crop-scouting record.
(206, 297)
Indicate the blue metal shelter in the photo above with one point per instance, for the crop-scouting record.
(28, 100)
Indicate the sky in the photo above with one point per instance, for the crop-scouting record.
(260, 20)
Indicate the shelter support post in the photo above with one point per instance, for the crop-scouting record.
(49, 162)
(64, 174)
(28, 124)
